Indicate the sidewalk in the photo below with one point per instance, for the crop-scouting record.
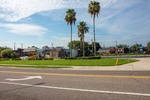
(143, 64)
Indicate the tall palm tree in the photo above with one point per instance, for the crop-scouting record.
(94, 9)
(81, 38)
(82, 28)
(70, 18)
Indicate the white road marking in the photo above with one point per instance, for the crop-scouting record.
(27, 78)
(75, 89)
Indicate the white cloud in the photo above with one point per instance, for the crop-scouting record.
(25, 29)
(14, 10)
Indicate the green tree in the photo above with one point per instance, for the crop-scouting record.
(45, 47)
(75, 44)
(135, 47)
(3, 48)
(98, 46)
(70, 18)
(82, 29)
(148, 46)
(34, 47)
(126, 47)
(13, 55)
(94, 9)
(6, 53)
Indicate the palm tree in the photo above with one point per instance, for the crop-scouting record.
(81, 38)
(94, 9)
(82, 29)
(70, 18)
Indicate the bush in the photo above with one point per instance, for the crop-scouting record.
(91, 57)
(37, 59)
(31, 59)
(97, 57)
(3, 59)
(70, 58)
(4, 54)
(17, 59)
(13, 55)
(48, 58)
(83, 58)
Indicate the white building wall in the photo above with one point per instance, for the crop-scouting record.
(74, 53)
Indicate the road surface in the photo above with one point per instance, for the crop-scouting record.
(56, 84)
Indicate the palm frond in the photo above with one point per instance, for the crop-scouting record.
(94, 8)
(70, 16)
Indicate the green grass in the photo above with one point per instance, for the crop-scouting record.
(36, 66)
(127, 55)
(85, 62)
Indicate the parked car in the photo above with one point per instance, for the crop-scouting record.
(146, 52)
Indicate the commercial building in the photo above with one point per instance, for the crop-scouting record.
(110, 50)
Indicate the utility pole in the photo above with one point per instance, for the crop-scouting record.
(116, 47)
(52, 44)
(123, 52)
(135, 46)
(104, 47)
(14, 46)
(21, 49)
(21, 46)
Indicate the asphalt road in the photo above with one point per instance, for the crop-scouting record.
(59, 84)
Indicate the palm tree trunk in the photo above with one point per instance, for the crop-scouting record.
(81, 50)
(83, 46)
(71, 43)
(94, 35)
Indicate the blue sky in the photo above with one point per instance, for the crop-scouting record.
(41, 22)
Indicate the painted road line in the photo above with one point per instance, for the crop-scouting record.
(114, 76)
(27, 78)
(75, 89)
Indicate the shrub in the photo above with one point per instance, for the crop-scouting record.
(91, 57)
(3, 59)
(38, 58)
(30, 59)
(17, 59)
(4, 54)
(48, 58)
(70, 58)
(83, 58)
(97, 57)
(13, 55)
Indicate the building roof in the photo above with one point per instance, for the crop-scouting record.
(39, 49)
(104, 48)
(29, 50)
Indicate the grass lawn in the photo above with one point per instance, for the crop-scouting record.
(35, 66)
(77, 62)
(129, 55)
